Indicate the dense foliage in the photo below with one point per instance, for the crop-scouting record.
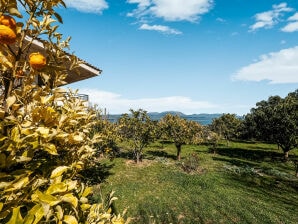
(45, 138)
(138, 130)
(180, 131)
(226, 126)
(275, 120)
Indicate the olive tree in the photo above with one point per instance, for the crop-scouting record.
(227, 126)
(138, 130)
(45, 136)
(180, 131)
(276, 120)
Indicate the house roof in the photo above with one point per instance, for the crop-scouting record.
(85, 70)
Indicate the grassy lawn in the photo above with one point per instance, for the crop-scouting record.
(239, 183)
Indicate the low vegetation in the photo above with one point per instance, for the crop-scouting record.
(244, 182)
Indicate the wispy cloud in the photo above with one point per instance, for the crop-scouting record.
(171, 10)
(270, 18)
(292, 26)
(277, 67)
(117, 104)
(93, 6)
(160, 28)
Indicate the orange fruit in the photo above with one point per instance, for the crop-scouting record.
(7, 35)
(19, 74)
(37, 61)
(8, 21)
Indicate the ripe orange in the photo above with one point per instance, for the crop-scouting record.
(37, 61)
(7, 35)
(8, 21)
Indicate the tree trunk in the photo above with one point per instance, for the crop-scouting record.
(178, 146)
(286, 155)
(138, 157)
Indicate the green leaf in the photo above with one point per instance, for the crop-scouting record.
(59, 171)
(69, 219)
(16, 216)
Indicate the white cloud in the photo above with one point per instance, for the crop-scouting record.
(171, 10)
(292, 26)
(294, 17)
(160, 28)
(116, 104)
(277, 67)
(270, 18)
(94, 6)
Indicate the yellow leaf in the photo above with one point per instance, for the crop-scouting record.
(75, 138)
(59, 171)
(16, 216)
(10, 100)
(57, 188)
(50, 148)
(44, 132)
(34, 215)
(59, 212)
(70, 199)
(85, 207)
(21, 183)
(71, 185)
(15, 134)
(69, 219)
(87, 191)
(45, 198)
(1, 206)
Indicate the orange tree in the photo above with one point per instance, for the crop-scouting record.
(45, 133)
(138, 130)
(181, 131)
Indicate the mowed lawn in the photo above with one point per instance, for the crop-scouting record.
(238, 183)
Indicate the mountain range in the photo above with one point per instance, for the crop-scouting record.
(203, 119)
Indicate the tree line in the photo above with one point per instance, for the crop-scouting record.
(274, 120)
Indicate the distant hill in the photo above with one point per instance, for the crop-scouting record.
(203, 119)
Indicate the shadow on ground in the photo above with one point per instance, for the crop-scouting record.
(97, 174)
(152, 154)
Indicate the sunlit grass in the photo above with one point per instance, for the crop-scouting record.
(239, 183)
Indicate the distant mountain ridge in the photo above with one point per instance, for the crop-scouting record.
(204, 119)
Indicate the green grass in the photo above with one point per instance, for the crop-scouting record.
(240, 183)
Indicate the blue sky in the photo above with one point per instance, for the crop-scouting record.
(193, 56)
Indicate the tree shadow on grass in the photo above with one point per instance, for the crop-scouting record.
(254, 154)
(152, 154)
(96, 174)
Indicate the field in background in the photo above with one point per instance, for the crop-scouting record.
(240, 183)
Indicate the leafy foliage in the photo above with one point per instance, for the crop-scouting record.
(45, 138)
(276, 121)
(181, 131)
(226, 126)
(138, 130)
